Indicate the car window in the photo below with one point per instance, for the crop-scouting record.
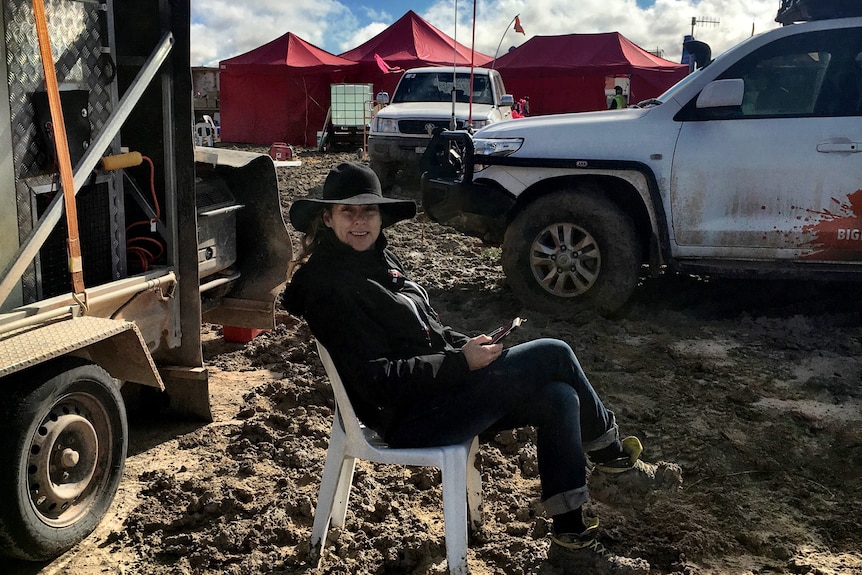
(412, 88)
(437, 87)
(481, 90)
(813, 74)
(787, 84)
(498, 88)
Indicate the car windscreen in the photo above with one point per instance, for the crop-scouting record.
(675, 89)
(437, 87)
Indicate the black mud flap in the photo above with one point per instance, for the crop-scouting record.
(263, 244)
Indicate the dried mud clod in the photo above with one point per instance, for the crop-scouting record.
(638, 486)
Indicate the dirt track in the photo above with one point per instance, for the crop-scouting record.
(754, 387)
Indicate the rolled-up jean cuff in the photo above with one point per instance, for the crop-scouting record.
(566, 501)
(605, 439)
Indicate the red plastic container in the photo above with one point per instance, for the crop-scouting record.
(280, 151)
(240, 334)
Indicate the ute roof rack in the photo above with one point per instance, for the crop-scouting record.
(791, 11)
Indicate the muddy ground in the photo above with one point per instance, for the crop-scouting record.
(753, 387)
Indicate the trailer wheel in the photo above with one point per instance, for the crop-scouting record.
(572, 250)
(64, 436)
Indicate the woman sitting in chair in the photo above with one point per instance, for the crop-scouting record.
(419, 383)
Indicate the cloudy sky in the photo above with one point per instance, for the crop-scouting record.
(222, 29)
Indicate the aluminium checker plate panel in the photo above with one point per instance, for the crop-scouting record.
(78, 32)
(113, 340)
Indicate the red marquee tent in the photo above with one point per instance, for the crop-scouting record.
(278, 92)
(567, 73)
(409, 42)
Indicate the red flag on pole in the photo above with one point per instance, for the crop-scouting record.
(384, 67)
(518, 27)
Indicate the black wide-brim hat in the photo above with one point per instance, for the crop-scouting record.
(351, 184)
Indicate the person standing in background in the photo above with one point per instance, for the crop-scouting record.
(619, 100)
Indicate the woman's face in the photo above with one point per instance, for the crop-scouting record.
(357, 226)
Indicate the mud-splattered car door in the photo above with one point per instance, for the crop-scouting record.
(779, 177)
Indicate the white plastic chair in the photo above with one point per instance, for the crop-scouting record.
(204, 134)
(351, 440)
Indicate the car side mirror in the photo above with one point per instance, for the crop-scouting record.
(722, 94)
(383, 98)
(507, 100)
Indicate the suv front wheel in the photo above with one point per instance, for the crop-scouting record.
(570, 251)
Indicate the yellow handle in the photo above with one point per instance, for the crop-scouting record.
(122, 161)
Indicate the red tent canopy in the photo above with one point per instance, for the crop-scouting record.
(567, 73)
(409, 42)
(278, 92)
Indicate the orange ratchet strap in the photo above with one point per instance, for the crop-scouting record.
(64, 160)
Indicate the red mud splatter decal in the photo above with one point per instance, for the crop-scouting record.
(838, 233)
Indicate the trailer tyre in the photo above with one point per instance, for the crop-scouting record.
(572, 251)
(65, 435)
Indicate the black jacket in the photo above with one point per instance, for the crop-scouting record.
(386, 340)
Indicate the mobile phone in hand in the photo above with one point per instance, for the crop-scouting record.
(505, 330)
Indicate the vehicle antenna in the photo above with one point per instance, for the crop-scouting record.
(709, 21)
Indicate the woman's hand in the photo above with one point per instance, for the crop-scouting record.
(480, 352)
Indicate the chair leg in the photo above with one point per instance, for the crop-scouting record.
(455, 512)
(474, 489)
(342, 494)
(329, 487)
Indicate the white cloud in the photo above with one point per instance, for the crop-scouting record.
(662, 26)
(222, 29)
(225, 28)
(362, 35)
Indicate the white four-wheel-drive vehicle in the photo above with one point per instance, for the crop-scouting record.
(750, 165)
(428, 100)
(110, 253)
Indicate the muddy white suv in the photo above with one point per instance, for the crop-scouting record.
(751, 165)
(422, 104)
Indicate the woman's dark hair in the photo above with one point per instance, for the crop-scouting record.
(308, 242)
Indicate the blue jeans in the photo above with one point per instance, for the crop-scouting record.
(539, 383)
